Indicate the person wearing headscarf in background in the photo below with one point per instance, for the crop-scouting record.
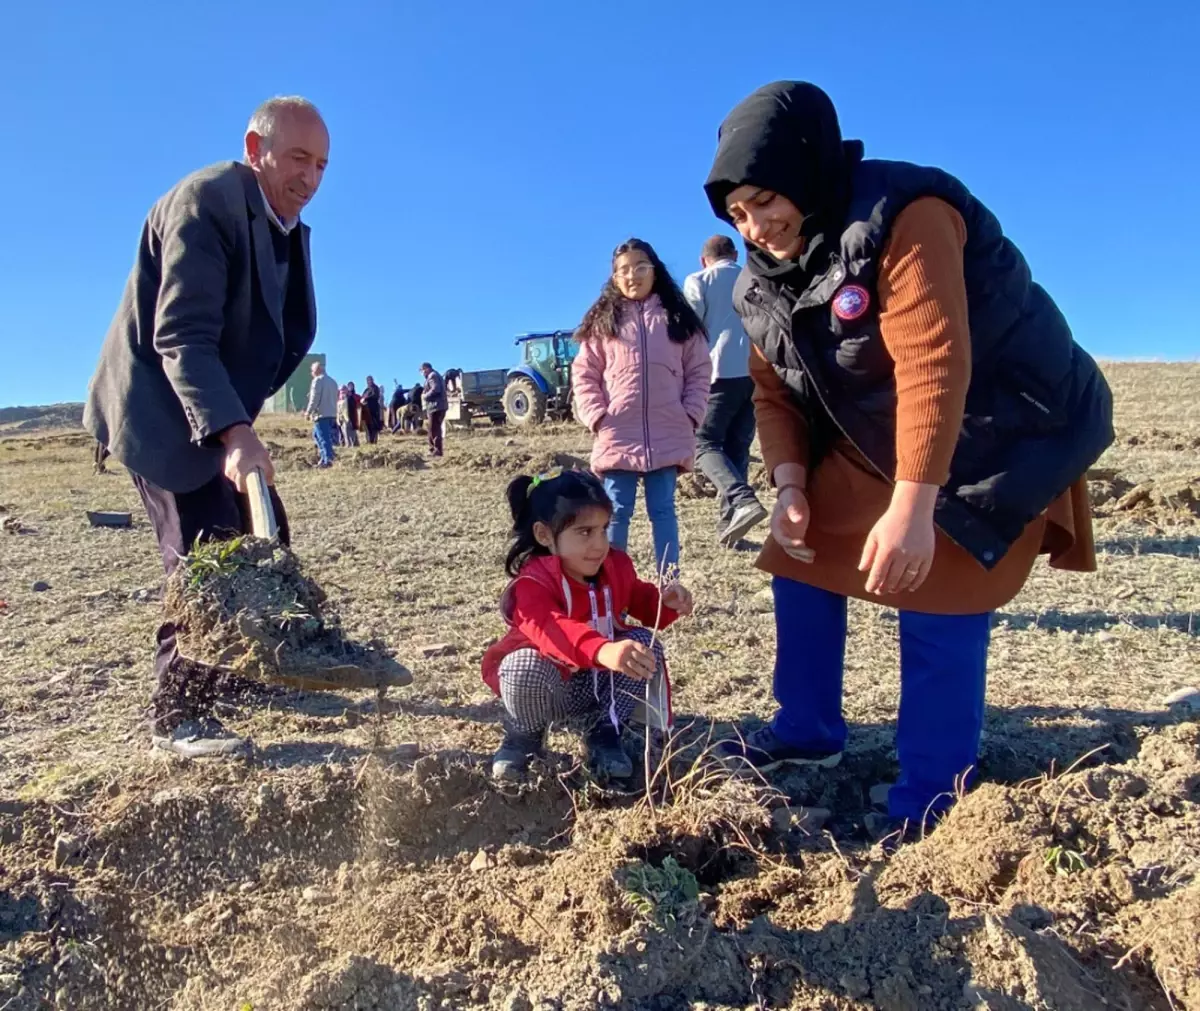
(927, 420)
(372, 410)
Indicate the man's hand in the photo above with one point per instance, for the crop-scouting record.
(629, 658)
(899, 550)
(244, 453)
(678, 598)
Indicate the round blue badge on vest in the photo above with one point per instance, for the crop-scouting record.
(851, 302)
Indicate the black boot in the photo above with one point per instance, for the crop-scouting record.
(606, 759)
(511, 761)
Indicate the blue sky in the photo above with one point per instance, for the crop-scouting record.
(486, 157)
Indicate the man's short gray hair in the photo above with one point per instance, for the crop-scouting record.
(266, 117)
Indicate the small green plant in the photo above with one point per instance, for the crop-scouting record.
(210, 559)
(296, 614)
(1063, 861)
(661, 893)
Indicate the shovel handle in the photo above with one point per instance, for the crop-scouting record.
(262, 512)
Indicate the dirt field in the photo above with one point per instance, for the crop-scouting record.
(361, 858)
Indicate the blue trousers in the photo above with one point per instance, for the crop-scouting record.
(621, 486)
(323, 437)
(943, 675)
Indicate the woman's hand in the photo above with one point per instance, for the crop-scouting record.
(629, 658)
(789, 518)
(899, 550)
(678, 598)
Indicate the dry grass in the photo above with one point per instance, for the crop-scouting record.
(413, 555)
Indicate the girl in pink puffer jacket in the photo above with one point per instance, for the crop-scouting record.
(640, 383)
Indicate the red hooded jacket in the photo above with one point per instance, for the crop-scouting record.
(548, 611)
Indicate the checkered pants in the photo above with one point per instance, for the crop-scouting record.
(535, 693)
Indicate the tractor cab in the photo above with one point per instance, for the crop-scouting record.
(540, 385)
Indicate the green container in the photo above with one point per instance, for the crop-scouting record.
(292, 397)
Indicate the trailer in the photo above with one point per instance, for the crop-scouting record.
(475, 394)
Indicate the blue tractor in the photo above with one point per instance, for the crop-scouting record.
(540, 387)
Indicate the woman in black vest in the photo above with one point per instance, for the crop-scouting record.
(926, 418)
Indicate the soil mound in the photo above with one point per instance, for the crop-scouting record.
(423, 884)
(1166, 500)
(386, 457)
(518, 461)
(247, 605)
(1161, 439)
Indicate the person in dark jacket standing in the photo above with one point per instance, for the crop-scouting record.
(434, 398)
(927, 420)
(371, 406)
(217, 313)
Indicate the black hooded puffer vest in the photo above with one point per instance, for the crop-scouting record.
(1038, 410)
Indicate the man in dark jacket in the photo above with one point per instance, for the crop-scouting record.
(217, 313)
(434, 399)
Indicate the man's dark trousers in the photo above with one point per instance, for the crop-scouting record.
(187, 689)
(723, 442)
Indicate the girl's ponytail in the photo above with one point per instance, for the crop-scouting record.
(523, 542)
(518, 495)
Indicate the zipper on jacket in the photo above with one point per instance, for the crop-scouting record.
(642, 340)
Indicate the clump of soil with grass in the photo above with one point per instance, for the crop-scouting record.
(247, 606)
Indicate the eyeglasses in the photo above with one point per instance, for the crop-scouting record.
(639, 270)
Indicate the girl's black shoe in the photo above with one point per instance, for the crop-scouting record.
(606, 759)
(511, 762)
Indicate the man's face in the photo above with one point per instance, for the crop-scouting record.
(291, 165)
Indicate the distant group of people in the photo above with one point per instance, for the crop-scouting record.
(925, 418)
(340, 413)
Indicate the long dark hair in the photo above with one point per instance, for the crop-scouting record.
(601, 319)
(556, 499)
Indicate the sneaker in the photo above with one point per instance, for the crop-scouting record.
(606, 759)
(511, 761)
(744, 519)
(763, 751)
(205, 737)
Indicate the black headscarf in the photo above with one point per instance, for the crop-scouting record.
(786, 137)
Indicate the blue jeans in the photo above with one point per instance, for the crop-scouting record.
(323, 437)
(621, 486)
(943, 675)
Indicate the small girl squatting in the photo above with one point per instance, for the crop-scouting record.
(569, 652)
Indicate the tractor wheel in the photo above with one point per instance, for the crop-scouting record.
(524, 403)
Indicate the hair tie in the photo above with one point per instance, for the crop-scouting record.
(549, 475)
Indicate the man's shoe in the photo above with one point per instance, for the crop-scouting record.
(205, 737)
(511, 762)
(764, 751)
(744, 519)
(606, 759)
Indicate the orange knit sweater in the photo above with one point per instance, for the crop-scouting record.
(923, 323)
